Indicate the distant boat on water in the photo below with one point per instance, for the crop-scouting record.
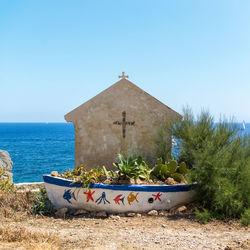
(243, 125)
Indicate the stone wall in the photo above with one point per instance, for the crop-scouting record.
(6, 163)
(99, 139)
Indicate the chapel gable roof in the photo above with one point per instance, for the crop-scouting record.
(122, 85)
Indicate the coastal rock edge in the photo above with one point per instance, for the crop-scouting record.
(6, 163)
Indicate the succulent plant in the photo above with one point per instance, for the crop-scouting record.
(170, 169)
(132, 168)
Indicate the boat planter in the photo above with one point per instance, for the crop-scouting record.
(116, 198)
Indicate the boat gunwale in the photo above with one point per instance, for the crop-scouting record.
(124, 187)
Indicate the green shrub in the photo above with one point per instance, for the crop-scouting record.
(162, 141)
(42, 204)
(203, 216)
(245, 217)
(6, 183)
(219, 159)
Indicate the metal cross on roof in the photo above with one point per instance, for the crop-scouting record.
(124, 123)
(123, 76)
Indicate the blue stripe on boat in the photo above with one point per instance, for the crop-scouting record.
(144, 188)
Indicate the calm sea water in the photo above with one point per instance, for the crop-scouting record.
(39, 148)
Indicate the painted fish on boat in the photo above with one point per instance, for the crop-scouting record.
(68, 195)
(132, 198)
(118, 198)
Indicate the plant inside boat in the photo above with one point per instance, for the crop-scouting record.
(81, 175)
(132, 168)
(164, 170)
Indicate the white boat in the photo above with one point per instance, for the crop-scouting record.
(243, 125)
(116, 198)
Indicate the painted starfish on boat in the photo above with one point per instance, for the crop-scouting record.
(131, 197)
(157, 196)
(89, 195)
(118, 198)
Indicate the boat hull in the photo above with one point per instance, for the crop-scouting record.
(116, 198)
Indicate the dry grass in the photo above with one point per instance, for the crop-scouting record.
(19, 237)
(15, 208)
(14, 205)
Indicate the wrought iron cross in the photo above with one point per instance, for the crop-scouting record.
(123, 76)
(124, 123)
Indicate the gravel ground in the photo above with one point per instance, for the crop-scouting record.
(144, 232)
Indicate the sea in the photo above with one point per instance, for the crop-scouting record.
(39, 148)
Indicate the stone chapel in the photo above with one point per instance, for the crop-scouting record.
(121, 119)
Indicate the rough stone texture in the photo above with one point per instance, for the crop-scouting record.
(80, 212)
(115, 217)
(170, 181)
(61, 213)
(101, 214)
(153, 213)
(98, 140)
(181, 209)
(131, 214)
(6, 163)
(54, 173)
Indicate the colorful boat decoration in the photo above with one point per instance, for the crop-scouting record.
(116, 198)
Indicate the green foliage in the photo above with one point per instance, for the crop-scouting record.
(203, 216)
(162, 141)
(132, 168)
(219, 159)
(81, 175)
(245, 217)
(42, 204)
(182, 169)
(5, 182)
(163, 170)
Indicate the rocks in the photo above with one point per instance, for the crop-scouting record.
(139, 182)
(122, 215)
(170, 181)
(115, 217)
(131, 214)
(80, 212)
(29, 186)
(6, 163)
(61, 213)
(127, 181)
(162, 213)
(101, 214)
(178, 210)
(181, 209)
(54, 173)
(153, 213)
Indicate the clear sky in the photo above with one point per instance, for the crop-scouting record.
(55, 55)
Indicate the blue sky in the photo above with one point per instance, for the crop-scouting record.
(55, 55)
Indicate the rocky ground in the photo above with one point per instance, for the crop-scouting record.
(138, 232)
